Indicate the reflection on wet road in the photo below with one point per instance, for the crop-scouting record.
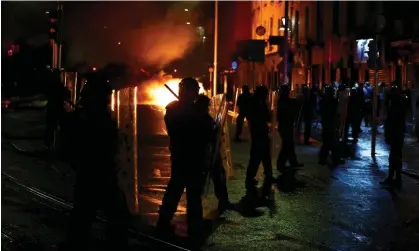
(340, 209)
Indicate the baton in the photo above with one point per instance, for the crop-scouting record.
(168, 88)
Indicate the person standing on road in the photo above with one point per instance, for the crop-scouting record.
(189, 135)
(260, 149)
(55, 107)
(395, 127)
(285, 115)
(328, 113)
(353, 113)
(417, 118)
(96, 173)
(243, 102)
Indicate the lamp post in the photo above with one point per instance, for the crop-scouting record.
(285, 58)
(215, 72)
(379, 25)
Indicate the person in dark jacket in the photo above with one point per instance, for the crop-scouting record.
(190, 133)
(55, 94)
(260, 150)
(395, 127)
(328, 113)
(96, 164)
(285, 115)
(243, 103)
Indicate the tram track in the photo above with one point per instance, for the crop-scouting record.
(144, 239)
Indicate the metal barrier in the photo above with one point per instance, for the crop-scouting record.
(234, 113)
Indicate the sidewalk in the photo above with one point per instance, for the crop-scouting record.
(343, 209)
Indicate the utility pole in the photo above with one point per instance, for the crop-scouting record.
(285, 58)
(374, 101)
(214, 82)
(379, 26)
(60, 35)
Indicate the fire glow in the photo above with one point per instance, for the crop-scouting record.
(159, 95)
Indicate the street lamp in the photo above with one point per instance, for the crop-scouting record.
(283, 24)
(215, 48)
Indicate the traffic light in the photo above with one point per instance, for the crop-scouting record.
(53, 24)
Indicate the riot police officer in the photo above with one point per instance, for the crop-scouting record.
(353, 113)
(243, 102)
(285, 114)
(55, 93)
(95, 152)
(260, 142)
(394, 134)
(189, 135)
(328, 113)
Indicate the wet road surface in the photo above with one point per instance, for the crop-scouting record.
(340, 209)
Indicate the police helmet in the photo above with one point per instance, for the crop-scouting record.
(285, 90)
(329, 91)
(189, 83)
(261, 91)
(97, 89)
(396, 85)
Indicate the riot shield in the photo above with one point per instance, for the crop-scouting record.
(144, 156)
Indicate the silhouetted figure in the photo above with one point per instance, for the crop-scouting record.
(96, 173)
(368, 91)
(215, 168)
(354, 110)
(417, 118)
(243, 102)
(55, 94)
(395, 126)
(190, 134)
(309, 106)
(285, 115)
(260, 143)
(328, 113)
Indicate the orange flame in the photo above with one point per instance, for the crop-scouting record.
(159, 95)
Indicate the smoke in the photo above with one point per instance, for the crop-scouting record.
(161, 43)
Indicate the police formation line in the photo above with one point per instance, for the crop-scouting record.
(339, 107)
(193, 136)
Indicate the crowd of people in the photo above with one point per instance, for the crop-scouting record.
(339, 107)
(89, 137)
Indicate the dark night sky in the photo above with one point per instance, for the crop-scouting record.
(84, 24)
(125, 21)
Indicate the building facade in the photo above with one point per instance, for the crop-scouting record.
(324, 39)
